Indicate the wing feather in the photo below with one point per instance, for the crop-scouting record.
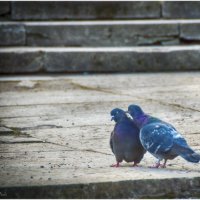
(156, 138)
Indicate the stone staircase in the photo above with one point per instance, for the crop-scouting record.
(74, 37)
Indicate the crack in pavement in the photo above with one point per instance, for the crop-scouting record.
(98, 89)
(42, 126)
(161, 102)
(76, 149)
(19, 133)
(137, 97)
(173, 104)
(21, 142)
(68, 103)
(39, 151)
(85, 87)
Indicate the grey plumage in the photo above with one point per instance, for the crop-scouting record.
(161, 139)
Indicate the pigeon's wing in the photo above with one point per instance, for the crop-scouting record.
(111, 142)
(156, 138)
(178, 139)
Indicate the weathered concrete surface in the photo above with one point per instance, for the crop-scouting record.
(84, 10)
(100, 33)
(190, 32)
(55, 133)
(100, 10)
(20, 62)
(12, 35)
(4, 8)
(107, 33)
(96, 59)
(181, 10)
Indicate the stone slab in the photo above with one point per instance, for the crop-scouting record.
(190, 32)
(4, 8)
(108, 59)
(98, 34)
(84, 10)
(181, 10)
(20, 62)
(12, 35)
(69, 118)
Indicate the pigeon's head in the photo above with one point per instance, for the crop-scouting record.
(117, 114)
(135, 111)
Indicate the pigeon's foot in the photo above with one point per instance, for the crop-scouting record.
(164, 164)
(157, 165)
(135, 165)
(115, 165)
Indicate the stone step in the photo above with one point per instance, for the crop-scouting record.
(174, 188)
(100, 33)
(84, 10)
(99, 59)
(98, 10)
(181, 10)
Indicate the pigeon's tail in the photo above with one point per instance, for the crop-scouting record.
(189, 155)
(195, 158)
(182, 149)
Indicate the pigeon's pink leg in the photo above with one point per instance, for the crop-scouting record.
(115, 165)
(164, 164)
(157, 165)
(135, 164)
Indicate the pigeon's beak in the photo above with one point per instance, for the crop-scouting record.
(112, 118)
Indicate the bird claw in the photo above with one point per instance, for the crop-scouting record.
(135, 165)
(162, 165)
(157, 165)
(115, 165)
(154, 166)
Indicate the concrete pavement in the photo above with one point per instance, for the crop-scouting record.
(54, 135)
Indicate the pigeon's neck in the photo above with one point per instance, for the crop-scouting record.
(141, 120)
(124, 118)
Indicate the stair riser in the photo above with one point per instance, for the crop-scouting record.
(84, 10)
(99, 61)
(98, 34)
(181, 10)
(101, 35)
(98, 10)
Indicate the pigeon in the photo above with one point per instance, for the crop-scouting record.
(160, 138)
(124, 139)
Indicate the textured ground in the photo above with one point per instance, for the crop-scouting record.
(55, 130)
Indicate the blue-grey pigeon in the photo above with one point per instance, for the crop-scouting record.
(124, 139)
(161, 139)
